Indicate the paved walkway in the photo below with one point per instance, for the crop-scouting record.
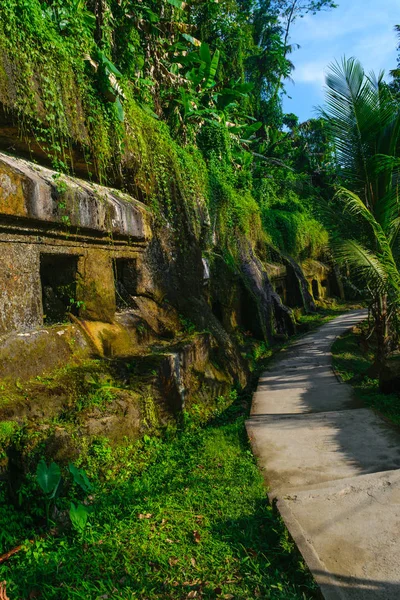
(333, 467)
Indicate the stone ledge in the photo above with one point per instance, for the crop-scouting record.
(38, 194)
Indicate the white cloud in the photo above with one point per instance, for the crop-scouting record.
(310, 72)
(359, 29)
(355, 17)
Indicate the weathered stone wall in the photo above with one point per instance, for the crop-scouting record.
(32, 192)
(42, 213)
(20, 295)
(142, 300)
(105, 243)
(21, 306)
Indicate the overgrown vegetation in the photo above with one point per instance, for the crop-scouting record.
(353, 355)
(179, 104)
(365, 121)
(184, 517)
(132, 89)
(170, 515)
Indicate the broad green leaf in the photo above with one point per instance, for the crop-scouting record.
(196, 75)
(79, 516)
(151, 16)
(102, 58)
(212, 69)
(120, 110)
(80, 478)
(205, 53)
(48, 477)
(177, 4)
(250, 129)
(244, 88)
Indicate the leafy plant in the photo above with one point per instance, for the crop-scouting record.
(107, 78)
(79, 515)
(80, 478)
(365, 122)
(49, 480)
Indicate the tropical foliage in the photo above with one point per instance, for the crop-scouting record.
(184, 99)
(365, 123)
(167, 96)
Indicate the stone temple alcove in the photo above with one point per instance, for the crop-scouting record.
(58, 274)
(125, 276)
(65, 252)
(315, 289)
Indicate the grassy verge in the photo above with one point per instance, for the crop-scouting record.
(258, 354)
(351, 358)
(180, 516)
(325, 314)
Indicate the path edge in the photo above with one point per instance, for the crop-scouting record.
(329, 591)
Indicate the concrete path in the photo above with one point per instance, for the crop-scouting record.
(333, 468)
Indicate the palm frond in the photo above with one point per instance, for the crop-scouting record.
(387, 208)
(361, 121)
(365, 267)
(356, 206)
(383, 250)
(394, 231)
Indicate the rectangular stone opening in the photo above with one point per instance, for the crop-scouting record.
(58, 274)
(125, 275)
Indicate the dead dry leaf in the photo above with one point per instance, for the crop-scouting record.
(196, 536)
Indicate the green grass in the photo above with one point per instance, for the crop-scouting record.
(351, 359)
(179, 516)
(185, 517)
(325, 314)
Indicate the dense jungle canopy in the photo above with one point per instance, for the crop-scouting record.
(124, 459)
(180, 104)
(195, 84)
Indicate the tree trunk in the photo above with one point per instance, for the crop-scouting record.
(380, 315)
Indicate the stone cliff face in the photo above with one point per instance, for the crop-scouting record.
(98, 293)
(77, 252)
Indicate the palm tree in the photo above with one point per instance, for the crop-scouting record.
(365, 122)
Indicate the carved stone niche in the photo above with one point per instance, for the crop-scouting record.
(67, 247)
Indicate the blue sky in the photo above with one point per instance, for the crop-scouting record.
(360, 28)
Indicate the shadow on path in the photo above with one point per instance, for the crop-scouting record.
(332, 466)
